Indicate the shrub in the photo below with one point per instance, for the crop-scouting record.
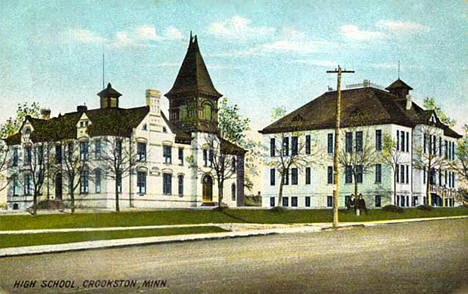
(425, 207)
(278, 209)
(392, 208)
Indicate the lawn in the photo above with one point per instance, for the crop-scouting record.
(18, 240)
(168, 217)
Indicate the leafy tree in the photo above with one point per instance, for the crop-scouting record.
(461, 158)
(10, 127)
(429, 103)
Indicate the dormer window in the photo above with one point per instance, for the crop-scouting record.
(27, 131)
(164, 130)
(145, 127)
(207, 111)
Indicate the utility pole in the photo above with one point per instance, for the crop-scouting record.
(336, 191)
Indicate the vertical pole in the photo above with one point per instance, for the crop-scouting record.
(336, 178)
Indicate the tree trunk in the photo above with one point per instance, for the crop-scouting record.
(355, 186)
(394, 187)
(428, 189)
(280, 194)
(220, 193)
(117, 208)
(35, 203)
(72, 198)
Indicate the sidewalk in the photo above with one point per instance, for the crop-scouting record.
(236, 230)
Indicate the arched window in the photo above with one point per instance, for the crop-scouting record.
(207, 111)
(233, 192)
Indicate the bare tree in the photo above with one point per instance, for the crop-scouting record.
(428, 159)
(118, 158)
(358, 158)
(34, 170)
(393, 157)
(71, 163)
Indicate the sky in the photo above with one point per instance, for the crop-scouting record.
(260, 54)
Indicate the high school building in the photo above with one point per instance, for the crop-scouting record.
(169, 159)
(368, 114)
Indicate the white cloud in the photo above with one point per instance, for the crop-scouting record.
(238, 28)
(402, 26)
(144, 35)
(84, 36)
(355, 33)
(321, 63)
(172, 33)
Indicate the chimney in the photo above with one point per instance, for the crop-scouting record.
(45, 113)
(153, 98)
(81, 108)
(409, 101)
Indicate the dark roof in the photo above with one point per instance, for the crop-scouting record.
(193, 77)
(362, 106)
(109, 92)
(399, 84)
(181, 136)
(106, 121)
(231, 148)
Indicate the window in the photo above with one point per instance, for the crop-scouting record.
(407, 142)
(233, 164)
(83, 150)
(286, 177)
(294, 147)
(307, 175)
(164, 129)
(58, 154)
(293, 201)
(445, 177)
(398, 140)
(272, 201)
(307, 201)
(272, 147)
(27, 155)
(359, 172)
(70, 147)
(440, 146)
(14, 183)
(402, 174)
(207, 111)
(285, 146)
(402, 201)
(97, 180)
(349, 142)
(446, 149)
(378, 140)
(144, 127)
(425, 143)
(15, 157)
(28, 185)
(167, 153)
(211, 156)
(403, 141)
(432, 178)
(84, 187)
(294, 176)
(348, 174)
(181, 156)
(118, 148)
(141, 151)
(378, 173)
(397, 171)
(330, 143)
(285, 201)
(414, 201)
(424, 175)
(378, 201)
(272, 177)
(167, 184)
(205, 157)
(330, 175)
(407, 174)
(359, 141)
(329, 201)
(307, 146)
(119, 182)
(141, 182)
(40, 154)
(233, 192)
(180, 182)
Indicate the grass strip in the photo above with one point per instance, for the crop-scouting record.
(19, 240)
(174, 217)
